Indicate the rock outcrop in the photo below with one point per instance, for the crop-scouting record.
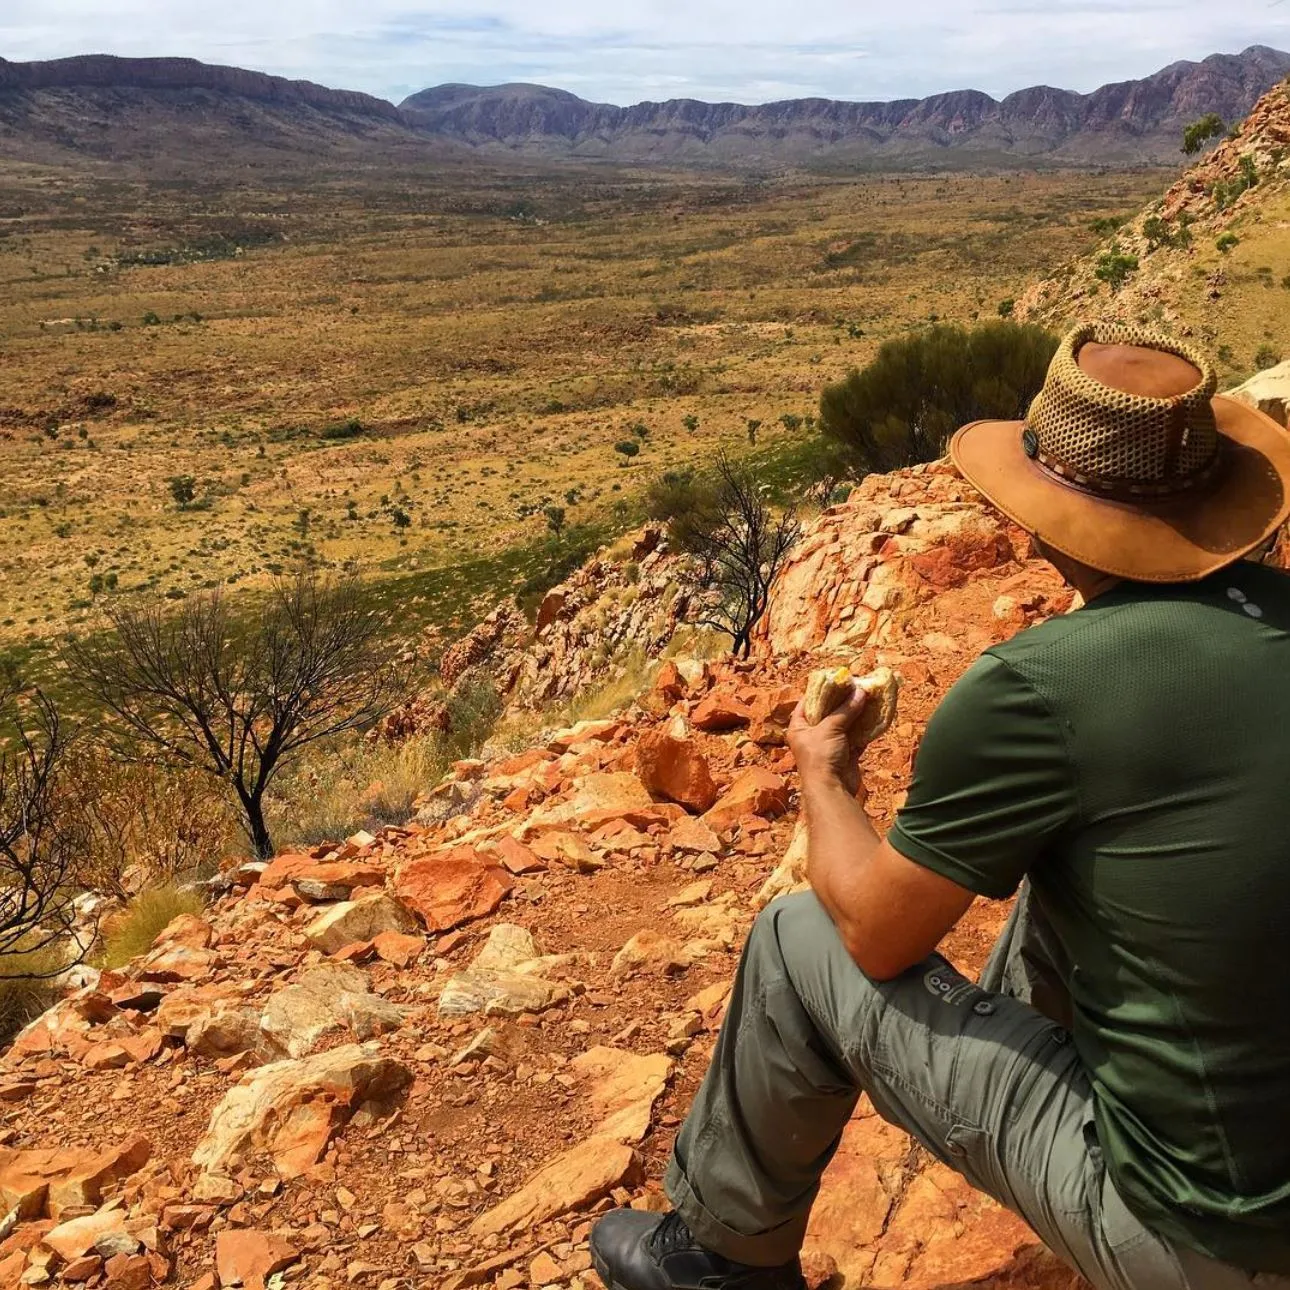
(431, 1056)
(1179, 264)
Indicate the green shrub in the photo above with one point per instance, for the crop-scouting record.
(1227, 242)
(1266, 356)
(628, 447)
(1114, 267)
(919, 389)
(1160, 233)
(1006, 307)
(1199, 133)
(183, 488)
(349, 429)
(133, 931)
(680, 499)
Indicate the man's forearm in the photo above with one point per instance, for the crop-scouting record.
(840, 844)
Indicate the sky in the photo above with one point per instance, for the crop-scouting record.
(746, 51)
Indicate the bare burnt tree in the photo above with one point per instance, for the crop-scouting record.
(240, 700)
(741, 543)
(37, 847)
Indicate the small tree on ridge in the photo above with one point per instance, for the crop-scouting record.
(240, 701)
(38, 845)
(741, 544)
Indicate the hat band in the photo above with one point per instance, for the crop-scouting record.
(1121, 490)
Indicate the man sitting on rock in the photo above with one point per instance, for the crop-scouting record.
(1120, 1078)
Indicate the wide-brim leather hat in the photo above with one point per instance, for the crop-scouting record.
(1130, 463)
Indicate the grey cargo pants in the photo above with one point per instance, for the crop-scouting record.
(983, 1079)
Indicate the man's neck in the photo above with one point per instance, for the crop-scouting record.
(1094, 584)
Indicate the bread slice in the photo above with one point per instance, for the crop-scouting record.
(829, 688)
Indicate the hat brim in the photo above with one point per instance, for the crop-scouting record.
(1181, 540)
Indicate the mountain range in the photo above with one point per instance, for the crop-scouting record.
(119, 108)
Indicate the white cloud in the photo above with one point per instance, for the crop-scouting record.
(747, 50)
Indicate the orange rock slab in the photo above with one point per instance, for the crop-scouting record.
(456, 887)
(676, 770)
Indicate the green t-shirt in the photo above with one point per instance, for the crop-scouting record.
(1133, 759)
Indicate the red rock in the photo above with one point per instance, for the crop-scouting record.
(818, 1270)
(359, 920)
(284, 868)
(44, 1181)
(128, 1272)
(520, 762)
(518, 800)
(446, 944)
(76, 1272)
(246, 1257)
(337, 880)
(398, 949)
(144, 1046)
(720, 711)
(356, 952)
(516, 858)
(567, 849)
(452, 888)
(597, 799)
(583, 732)
(58, 1029)
(11, 1268)
(79, 1236)
(25, 1237)
(618, 835)
(105, 1056)
(292, 1108)
(693, 836)
(756, 792)
(572, 1181)
(182, 1218)
(549, 610)
(138, 996)
(969, 550)
(669, 684)
(173, 963)
(675, 769)
(187, 930)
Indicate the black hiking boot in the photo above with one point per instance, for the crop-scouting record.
(634, 1250)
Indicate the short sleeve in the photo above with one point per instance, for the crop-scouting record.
(993, 785)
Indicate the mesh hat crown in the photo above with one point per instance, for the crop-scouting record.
(1119, 445)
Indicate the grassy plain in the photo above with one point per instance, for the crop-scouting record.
(404, 368)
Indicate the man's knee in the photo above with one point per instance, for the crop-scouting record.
(794, 929)
(794, 939)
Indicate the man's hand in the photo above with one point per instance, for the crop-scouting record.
(824, 752)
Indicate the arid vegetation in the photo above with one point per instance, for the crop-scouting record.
(206, 384)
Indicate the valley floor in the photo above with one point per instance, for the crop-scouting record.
(207, 380)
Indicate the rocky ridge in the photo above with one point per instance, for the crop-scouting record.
(165, 111)
(106, 71)
(1182, 274)
(1131, 122)
(431, 1056)
(168, 111)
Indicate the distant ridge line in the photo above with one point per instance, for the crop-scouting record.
(109, 71)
